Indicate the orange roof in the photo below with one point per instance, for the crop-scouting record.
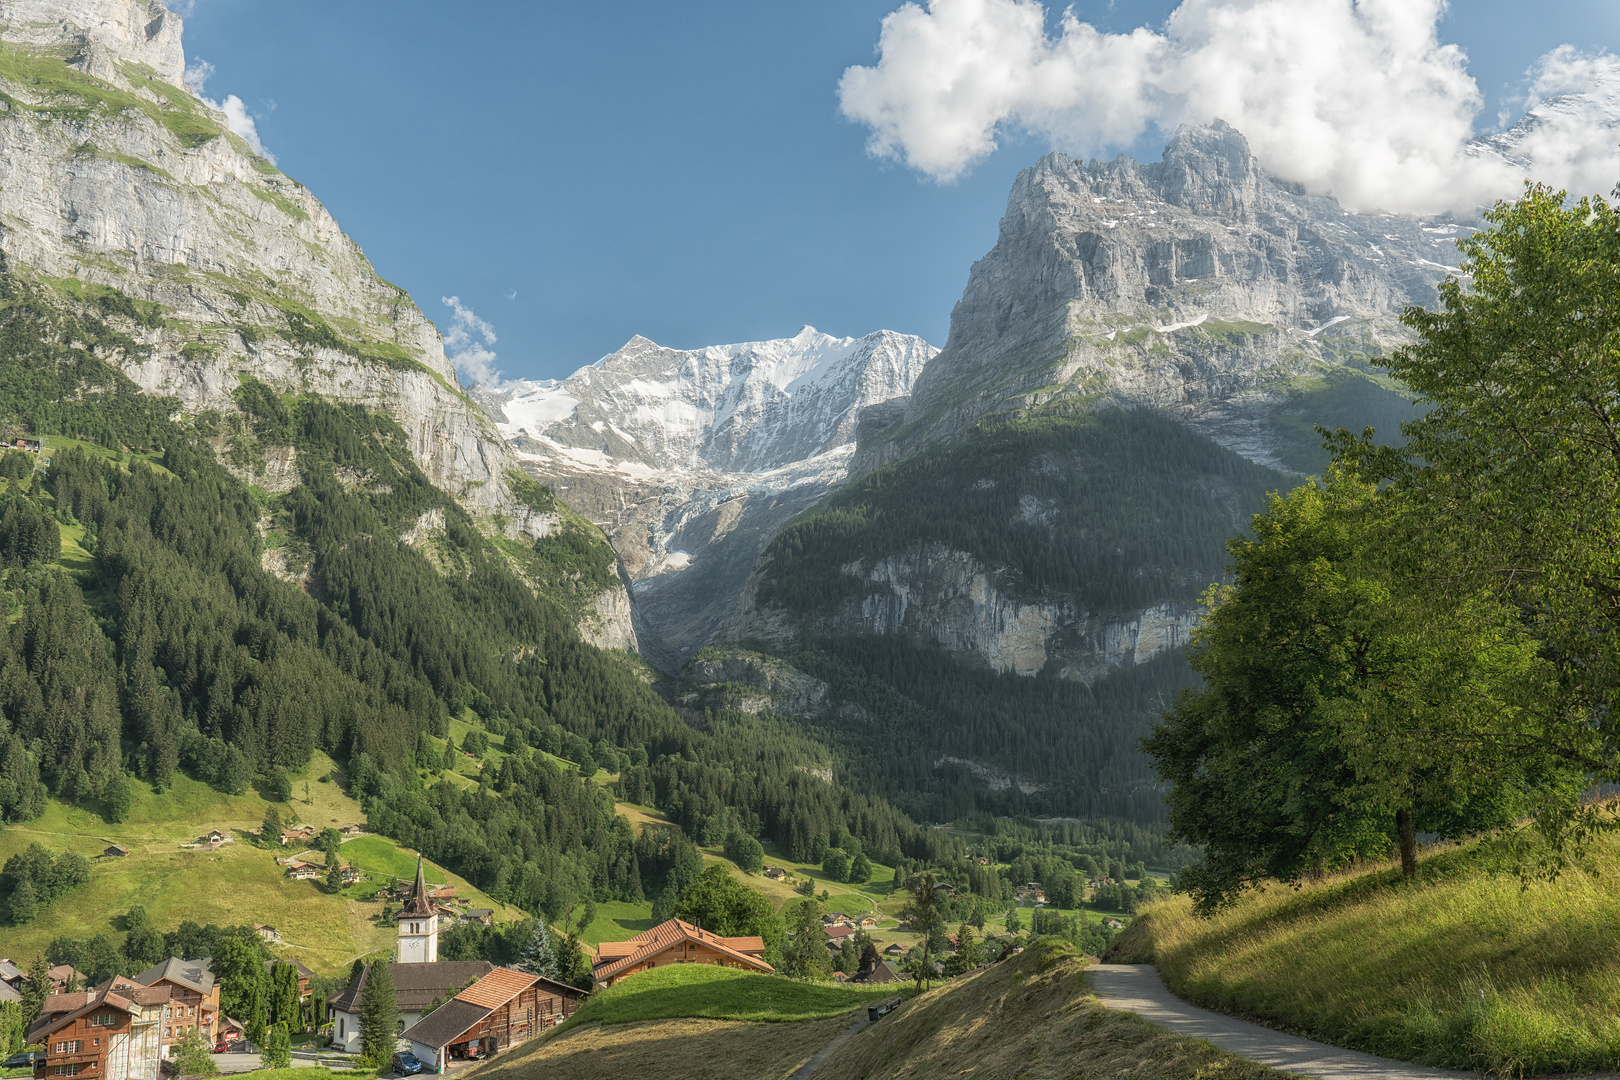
(615, 949)
(665, 935)
(497, 988)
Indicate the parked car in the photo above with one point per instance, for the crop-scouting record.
(222, 1047)
(24, 1060)
(408, 1064)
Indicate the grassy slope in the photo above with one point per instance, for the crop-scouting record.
(239, 883)
(669, 1050)
(1033, 1018)
(717, 993)
(1461, 969)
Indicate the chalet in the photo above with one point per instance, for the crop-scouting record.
(880, 974)
(193, 998)
(443, 894)
(299, 835)
(869, 922)
(351, 830)
(418, 986)
(1113, 924)
(12, 975)
(945, 887)
(303, 871)
(776, 873)
(479, 915)
(214, 837)
(104, 1035)
(62, 974)
(268, 933)
(838, 933)
(895, 950)
(676, 942)
(499, 1011)
(352, 875)
(114, 851)
(9, 995)
(31, 446)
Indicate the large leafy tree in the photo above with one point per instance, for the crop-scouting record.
(721, 904)
(1340, 712)
(1516, 463)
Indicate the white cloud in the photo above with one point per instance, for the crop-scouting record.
(467, 342)
(237, 117)
(1358, 99)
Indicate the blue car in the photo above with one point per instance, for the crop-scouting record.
(408, 1064)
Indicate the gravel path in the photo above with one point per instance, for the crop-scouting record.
(1137, 988)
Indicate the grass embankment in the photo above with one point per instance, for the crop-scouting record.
(1461, 968)
(717, 993)
(691, 1021)
(1031, 1017)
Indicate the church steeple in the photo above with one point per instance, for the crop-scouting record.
(418, 924)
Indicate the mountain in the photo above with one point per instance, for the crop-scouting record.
(123, 189)
(995, 603)
(691, 460)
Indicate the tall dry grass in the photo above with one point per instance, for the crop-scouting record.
(1461, 968)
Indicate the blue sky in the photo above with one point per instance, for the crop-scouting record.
(578, 173)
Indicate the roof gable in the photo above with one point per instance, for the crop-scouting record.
(666, 935)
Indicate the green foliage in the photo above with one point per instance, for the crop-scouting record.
(804, 956)
(71, 95)
(745, 851)
(1513, 472)
(32, 880)
(539, 958)
(1334, 708)
(722, 905)
(192, 1056)
(246, 993)
(278, 1048)
(379, 1016)
(530, 492)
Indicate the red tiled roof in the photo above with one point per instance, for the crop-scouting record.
(666, 934)
(497, 988)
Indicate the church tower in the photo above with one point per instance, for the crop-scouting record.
(418, 925)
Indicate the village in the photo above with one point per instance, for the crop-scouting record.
(452, 1013)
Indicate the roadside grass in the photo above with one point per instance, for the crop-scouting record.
(1462, 968)
(668, 1050)
(1032, 1018)
(719, 993)
(308, 1072)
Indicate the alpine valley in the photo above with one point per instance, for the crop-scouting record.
(265, 560)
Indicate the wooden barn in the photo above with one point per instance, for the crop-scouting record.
(502, 1009)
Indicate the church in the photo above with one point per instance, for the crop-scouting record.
(420, 981)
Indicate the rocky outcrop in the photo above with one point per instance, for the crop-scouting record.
(113, 174)
(782, 687)
(691, 460)
(1196, 283)
(950, 598)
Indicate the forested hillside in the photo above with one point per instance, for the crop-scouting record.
(154, 640)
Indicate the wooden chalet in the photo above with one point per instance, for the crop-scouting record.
(676, 942)
(303, 871)
(101, 1035)
(62, 974)
(502, 1009)
(114, 851)
(193, 998)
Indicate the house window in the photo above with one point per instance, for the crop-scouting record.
(342, 1025)
(64, 1070)
(72, 1047)
(103, 1019)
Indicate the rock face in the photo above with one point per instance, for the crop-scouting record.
(692, 459)
(1196, 283)
(113, 174)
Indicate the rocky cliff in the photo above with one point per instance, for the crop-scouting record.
(691, 460)
(117, 181)
(1196, 283)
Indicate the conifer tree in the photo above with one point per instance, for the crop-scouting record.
(379, 1015)
(539, 958)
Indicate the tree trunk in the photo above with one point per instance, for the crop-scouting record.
(1403, 826)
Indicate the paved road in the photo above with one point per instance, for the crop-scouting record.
(1137, 988)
